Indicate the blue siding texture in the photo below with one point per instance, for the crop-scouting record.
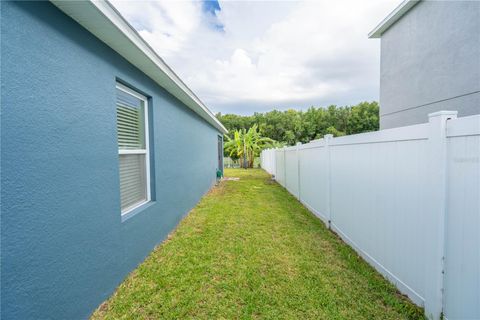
(64, 246)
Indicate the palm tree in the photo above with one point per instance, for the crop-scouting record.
(246, 145)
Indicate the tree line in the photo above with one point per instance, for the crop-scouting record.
(292, 126)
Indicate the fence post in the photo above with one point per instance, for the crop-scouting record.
(297, 152)
(436, 212)
(285, 167)
(276, 167)
(327, 138)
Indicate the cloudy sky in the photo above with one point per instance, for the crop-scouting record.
(246, 56)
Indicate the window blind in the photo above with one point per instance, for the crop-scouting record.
(132, 149)
(132, 180)
(130, 123)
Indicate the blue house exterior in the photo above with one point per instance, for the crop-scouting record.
(65, 245)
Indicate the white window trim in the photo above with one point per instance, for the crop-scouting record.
(132, 151)
(139, 151)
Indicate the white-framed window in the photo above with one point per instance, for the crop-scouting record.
(133, 149)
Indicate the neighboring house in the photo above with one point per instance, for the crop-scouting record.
(103, 151)
(430, 61)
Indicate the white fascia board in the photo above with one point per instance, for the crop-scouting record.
(107, 24)
(393, 17)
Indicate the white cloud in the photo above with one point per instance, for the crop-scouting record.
(271, 54)
(166, 25)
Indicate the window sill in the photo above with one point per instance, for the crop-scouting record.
(137, 210)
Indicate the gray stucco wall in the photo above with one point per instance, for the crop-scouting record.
(64, 246)
(430, 61)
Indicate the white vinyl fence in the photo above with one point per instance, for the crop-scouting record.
(229, 163)
(406, 199)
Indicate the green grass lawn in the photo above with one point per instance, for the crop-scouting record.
(251, 250)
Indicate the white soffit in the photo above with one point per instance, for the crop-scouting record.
(107, 24)
(393, 17)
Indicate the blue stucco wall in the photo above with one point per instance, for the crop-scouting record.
(64, 246)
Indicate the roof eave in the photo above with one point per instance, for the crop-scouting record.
(107, 24)
(393, 17)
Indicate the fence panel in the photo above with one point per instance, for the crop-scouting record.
(291, 171)
(462, 269)
(280, 167)
(268, 161)
(406, 199)
(314, 179)
(377, 196)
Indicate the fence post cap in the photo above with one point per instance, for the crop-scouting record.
(443, 113)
